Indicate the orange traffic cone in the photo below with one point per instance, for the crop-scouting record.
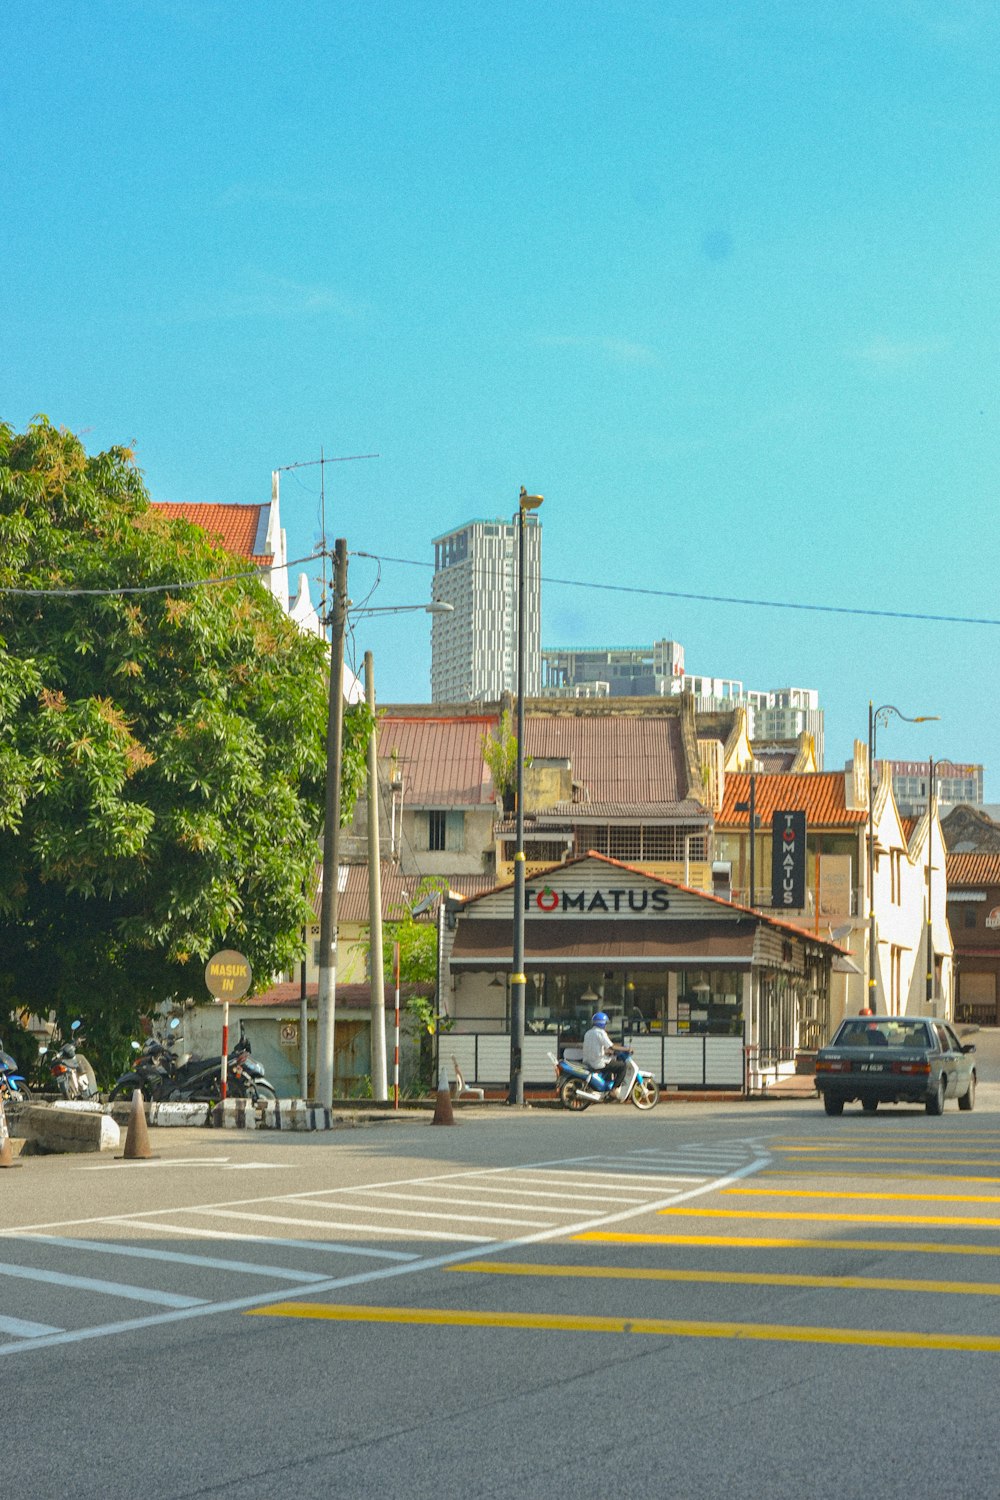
(6, 1153)
(137, 1135)
(443, 1112)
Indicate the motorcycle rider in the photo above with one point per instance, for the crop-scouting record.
(599, 1052)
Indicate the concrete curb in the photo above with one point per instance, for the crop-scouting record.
(293, 1114)
(61, 1128)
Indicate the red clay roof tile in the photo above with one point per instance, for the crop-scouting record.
(233, 527)
(820, 795)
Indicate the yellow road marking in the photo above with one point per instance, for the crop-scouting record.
(762, 1213)
(910, 1161)
(890, 1197)
(932, 1137)
(868, 1176)
(736, 1278)
(776, 1242)
(663, 1327)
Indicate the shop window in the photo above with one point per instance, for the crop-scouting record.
(709, 1003)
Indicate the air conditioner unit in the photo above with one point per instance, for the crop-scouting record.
(722, 879)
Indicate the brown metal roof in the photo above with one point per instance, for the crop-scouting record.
(645, 812)
(399, 892)
(618, 758)
(486, 943)
(821, 795)
(972, 869)
(350, 996)
(440, 760)
(774, 762)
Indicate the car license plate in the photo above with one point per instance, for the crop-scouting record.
(872, 1067)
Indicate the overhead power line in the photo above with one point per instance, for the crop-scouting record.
(824, 609)
(163, 588)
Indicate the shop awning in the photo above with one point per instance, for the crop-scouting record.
(486, 944)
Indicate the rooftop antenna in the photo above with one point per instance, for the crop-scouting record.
(310, 463)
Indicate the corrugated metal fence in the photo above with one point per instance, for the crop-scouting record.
(710, 1062)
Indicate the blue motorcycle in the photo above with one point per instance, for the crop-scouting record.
(579, 1086)
(12, 1084)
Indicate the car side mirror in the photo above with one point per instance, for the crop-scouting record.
(969, 1047)
(135, 1047)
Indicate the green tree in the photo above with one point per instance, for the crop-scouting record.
(162, 751)
(500, 754)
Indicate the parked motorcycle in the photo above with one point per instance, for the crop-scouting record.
(69, 1069)
(579, 1087)
(154, 1070)
(12, 1083)
(160, 1074)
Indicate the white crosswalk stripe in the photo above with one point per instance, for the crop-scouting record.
(454, 1210)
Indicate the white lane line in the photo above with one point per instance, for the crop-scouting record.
(422, 1213)
(464, 1182)
(177, 1257)
(404, 1234)
(327, 1246)
(483, 1202)
(24, 1330)
(384, 1273)
(225, 1166)
(580, 1176)
(108, 1288)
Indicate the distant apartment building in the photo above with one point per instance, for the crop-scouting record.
(613, 671)
(778, 716)
(954, 783)
(474, 648)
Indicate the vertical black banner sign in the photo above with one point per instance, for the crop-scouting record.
(788, 860)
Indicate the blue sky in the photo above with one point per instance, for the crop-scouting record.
(720, 280)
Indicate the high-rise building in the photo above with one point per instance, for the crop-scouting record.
(777, 716)
(474, 649)
(954, 783)
(613, 671)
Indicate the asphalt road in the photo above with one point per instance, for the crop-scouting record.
(702, 1298)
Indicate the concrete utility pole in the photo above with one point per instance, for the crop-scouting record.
(380, 1090)
(326, 999)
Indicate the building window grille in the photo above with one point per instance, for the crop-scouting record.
(437, 825)
(647, 843)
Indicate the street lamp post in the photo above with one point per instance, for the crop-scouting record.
(518, 979)
(930, 861)
(326, 998)
(750, 806)
(884, 713)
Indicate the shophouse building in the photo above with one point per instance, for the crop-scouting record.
(909, 887)
(974, 916)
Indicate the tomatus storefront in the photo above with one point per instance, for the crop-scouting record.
(699, 988)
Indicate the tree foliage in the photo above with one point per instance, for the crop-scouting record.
(162, 752)
(500, 754)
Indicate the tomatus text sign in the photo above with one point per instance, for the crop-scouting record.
(788, 860)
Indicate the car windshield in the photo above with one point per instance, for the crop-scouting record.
(861, 1031)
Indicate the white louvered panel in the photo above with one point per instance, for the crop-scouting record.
(494, 1059)
(648, 1054)
(684, 1059)
(724, 1061)
(463, 1049)
(535, 1061)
